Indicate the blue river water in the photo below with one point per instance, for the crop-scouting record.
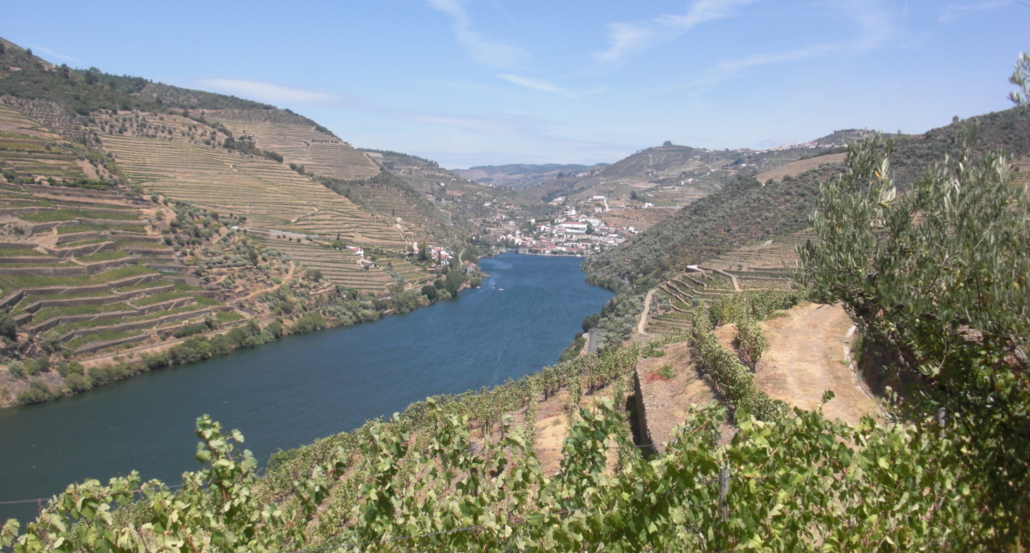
(301, 388)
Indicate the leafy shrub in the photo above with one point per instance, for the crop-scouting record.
(429, 291)
(16, 368)
(77, 383)
(8, 329)
(308, 323)
(38, 392)
(947, 297)
(191, 330)
(36, 366)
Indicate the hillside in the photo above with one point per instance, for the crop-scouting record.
(239, 157)
(745, 211)
(671, 175)
(298, 140)
(521, 175)
(476, 209)
(91, 269)
(131, 225)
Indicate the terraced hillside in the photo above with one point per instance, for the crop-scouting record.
(86, 270)
(181, 158)
(676, 175)
(234, 157)
(32, 151)
(339, 266)
(795, 168)
(297, 139)
(747, 269)
(521, 175)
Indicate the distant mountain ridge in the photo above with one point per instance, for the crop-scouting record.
(745, 211)
(521, 175)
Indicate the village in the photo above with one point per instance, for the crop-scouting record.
(573, 232)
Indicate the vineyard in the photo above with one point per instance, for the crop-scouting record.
(299, 143)
(93, 269)
(177, 156)
(472, 471)
(462, 473)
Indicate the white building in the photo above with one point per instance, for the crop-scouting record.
(574, 228)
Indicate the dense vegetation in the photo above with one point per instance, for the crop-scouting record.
(370, 193)
(938, 276)
(80, 91)
(435, 478)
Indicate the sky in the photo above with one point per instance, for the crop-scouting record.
(477, 82)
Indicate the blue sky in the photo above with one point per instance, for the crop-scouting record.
(471, 82)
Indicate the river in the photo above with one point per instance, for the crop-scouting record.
(291, 392)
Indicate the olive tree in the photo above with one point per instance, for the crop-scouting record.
(939, 276)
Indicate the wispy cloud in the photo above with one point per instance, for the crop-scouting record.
(954, 11)
(504, 125)
(487, 52)
(532, 83)
(877, 26)
(269, 92)
(37, 49)
(628, 39)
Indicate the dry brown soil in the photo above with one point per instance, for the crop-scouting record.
(806, 357)
(668, 401)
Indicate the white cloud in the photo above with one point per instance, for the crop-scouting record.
(954, 11)
(532, 83)
(493, 54)
(268, 92)
(877, 27)
(628, 39)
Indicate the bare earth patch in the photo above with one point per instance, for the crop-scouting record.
(806, 357)
(667, 402)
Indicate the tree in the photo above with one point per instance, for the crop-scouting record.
(939, 276)
(429, 291)
(8, 328)
(453, 280)
(1021, 78)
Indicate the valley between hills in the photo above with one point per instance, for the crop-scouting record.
(810, 346)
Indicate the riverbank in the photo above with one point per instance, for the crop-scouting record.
(58, 377)
(301, 388)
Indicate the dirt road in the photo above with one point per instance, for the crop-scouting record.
(642, 323)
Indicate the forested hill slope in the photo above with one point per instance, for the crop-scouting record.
(473, 208)
(745, 211)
